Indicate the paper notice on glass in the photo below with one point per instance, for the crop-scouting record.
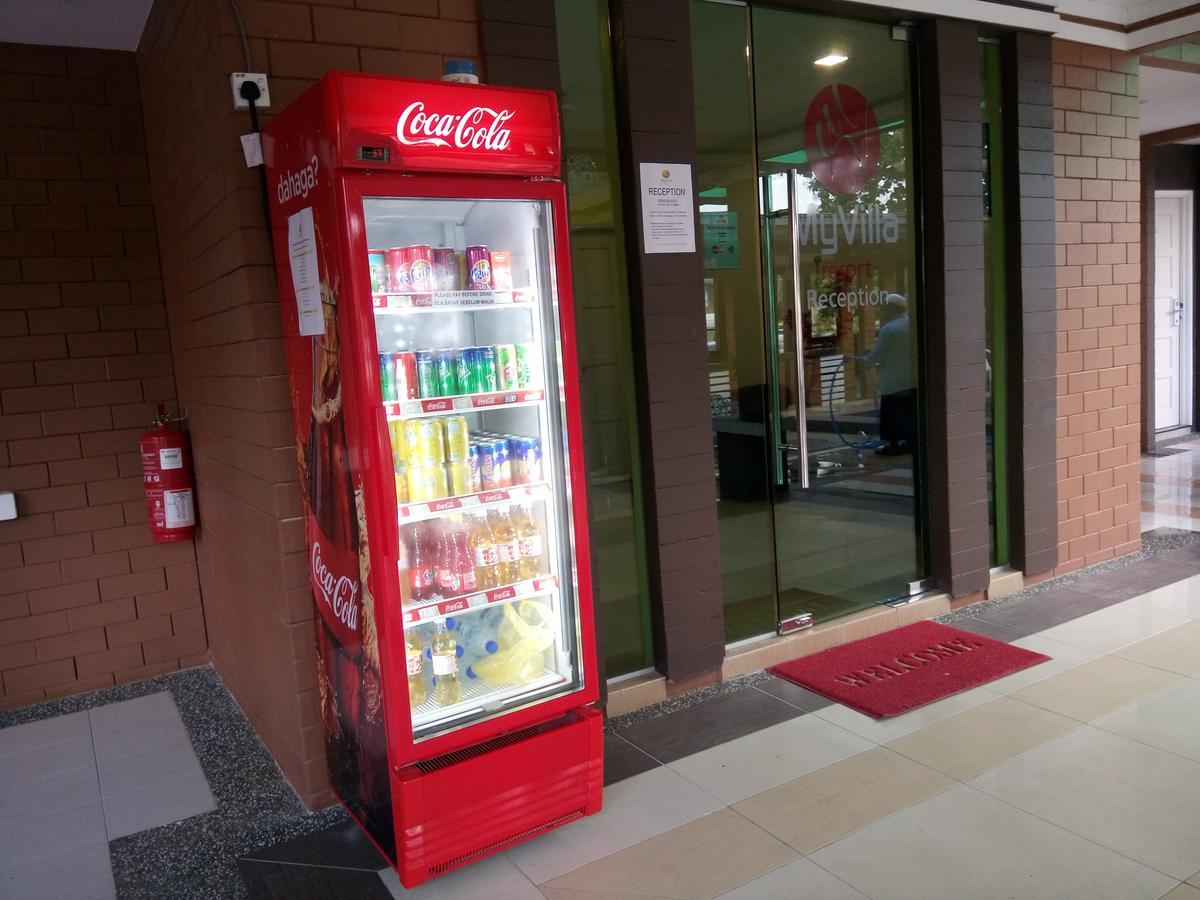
(668, 215)
(306, 278)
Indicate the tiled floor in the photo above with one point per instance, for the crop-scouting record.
(1171, 488)
(71, 784)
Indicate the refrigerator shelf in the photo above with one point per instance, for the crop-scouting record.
(431, 610)
(412, 409)
(478, 694)
(433, 509)
(451, 300)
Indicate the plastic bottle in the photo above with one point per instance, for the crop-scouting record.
(447, 580)
(460, 70)
(443, 649)
(414, 656)
(462, 567)
(532, 546)
(476, 637)
(422, 562)
(484, 555)
(507, 548)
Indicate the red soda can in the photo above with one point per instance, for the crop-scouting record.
(420, 268)
(397, 269)
(445, 269)
(405, 376)
(479, 268)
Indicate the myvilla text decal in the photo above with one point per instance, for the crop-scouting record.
(339, 591)
(479, 128)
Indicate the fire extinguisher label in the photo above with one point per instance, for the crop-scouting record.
(170, 458)
(179, 509)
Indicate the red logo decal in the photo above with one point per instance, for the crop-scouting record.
(841, 136)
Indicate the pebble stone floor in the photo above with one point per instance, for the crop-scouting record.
(1077, 778)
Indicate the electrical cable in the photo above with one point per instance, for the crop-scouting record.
(241, 26)
(860, 446)
(249, 91)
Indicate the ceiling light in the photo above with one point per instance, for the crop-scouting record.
(832, 59)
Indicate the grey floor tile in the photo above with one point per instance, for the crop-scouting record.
(167, 762)
(792, 693)
(991, 629)
(48, 794)
(35, 735)
(52, 834)
(158, 804)
(82, 874)
(28, 765)
(1041, 611)
(140, 710)
(135, 737)
(623, 760)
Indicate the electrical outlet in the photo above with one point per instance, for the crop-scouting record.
(259, 78)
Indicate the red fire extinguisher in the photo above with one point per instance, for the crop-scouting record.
(167, 477)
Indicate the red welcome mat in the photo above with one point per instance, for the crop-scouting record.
(899, 670)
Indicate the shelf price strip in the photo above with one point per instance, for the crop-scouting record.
(415, 512)
(518, 591)
(451, 298)
(407, 408)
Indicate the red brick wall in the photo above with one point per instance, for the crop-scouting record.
(218, 277)
(1097, 195)
(86, 598)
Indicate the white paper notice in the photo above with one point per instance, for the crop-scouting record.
(252, 149)
(668, 216)
(306, 279)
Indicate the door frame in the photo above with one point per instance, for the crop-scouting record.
(1187, 291)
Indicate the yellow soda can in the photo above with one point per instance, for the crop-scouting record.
(458, 438)
(458, 476)
(401, 485)
(411, 441)
(399, 451)
(426, 483)
(431, 444)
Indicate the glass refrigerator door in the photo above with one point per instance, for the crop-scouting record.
(466, 322)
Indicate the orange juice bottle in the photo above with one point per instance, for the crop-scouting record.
(507, 548)
(532, 546)
(483, 554)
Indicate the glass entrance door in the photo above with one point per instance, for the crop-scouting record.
(835, 162)
(805, 125)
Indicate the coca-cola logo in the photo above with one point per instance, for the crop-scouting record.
(841, 137)
(479, 128)
(340, 592)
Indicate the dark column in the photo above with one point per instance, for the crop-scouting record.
(952, 206)
(1033, 477)
(520, 43)
(652, 56)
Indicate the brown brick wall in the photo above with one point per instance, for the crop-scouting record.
(222, 303)
(86, 599)
(1097, 199)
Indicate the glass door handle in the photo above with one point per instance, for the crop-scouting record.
(798, 323)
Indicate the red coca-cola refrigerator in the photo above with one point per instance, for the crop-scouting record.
(420, 239)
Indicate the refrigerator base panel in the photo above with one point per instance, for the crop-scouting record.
(460, 808)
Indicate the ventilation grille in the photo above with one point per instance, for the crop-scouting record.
(506, 740)
(501, 844)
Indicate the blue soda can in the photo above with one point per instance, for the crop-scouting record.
(529, 460)
(487, 466)
(475, 467)
(503, 463)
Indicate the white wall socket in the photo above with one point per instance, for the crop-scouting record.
(258, 78)
(8, 506)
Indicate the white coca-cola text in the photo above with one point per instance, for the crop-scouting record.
(341, 591)
(479, 128)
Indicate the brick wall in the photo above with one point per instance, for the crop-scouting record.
(1097, 198)
(86, 598)
(222, 303)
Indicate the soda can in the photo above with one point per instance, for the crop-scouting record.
(479, 268)
(426, 376)
(530, 459)
(506, 367)
(501, 261)
(458, 477)
(404, 368)
(474, 467)
(464, 369)
(457, 438)
(387, 377)
(526, 365)
(502, 463)
(420, 268)
(426, 483)
(402, 486)
(487, 467)
(399, 446)
(444, 373)
(445, 269)
(431, 444)
(397, 269)
(377, 264)
(485, 369)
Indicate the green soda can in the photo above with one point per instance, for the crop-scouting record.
(506, 366)
(526, 371)
(426, 376)
(485, 368)
(444, 373)
(468, 383)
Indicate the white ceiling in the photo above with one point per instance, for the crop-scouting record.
(106, 24)
(1168, 99)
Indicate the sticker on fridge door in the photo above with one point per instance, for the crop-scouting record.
(179, 508)
(668, 215)
(306, 276)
